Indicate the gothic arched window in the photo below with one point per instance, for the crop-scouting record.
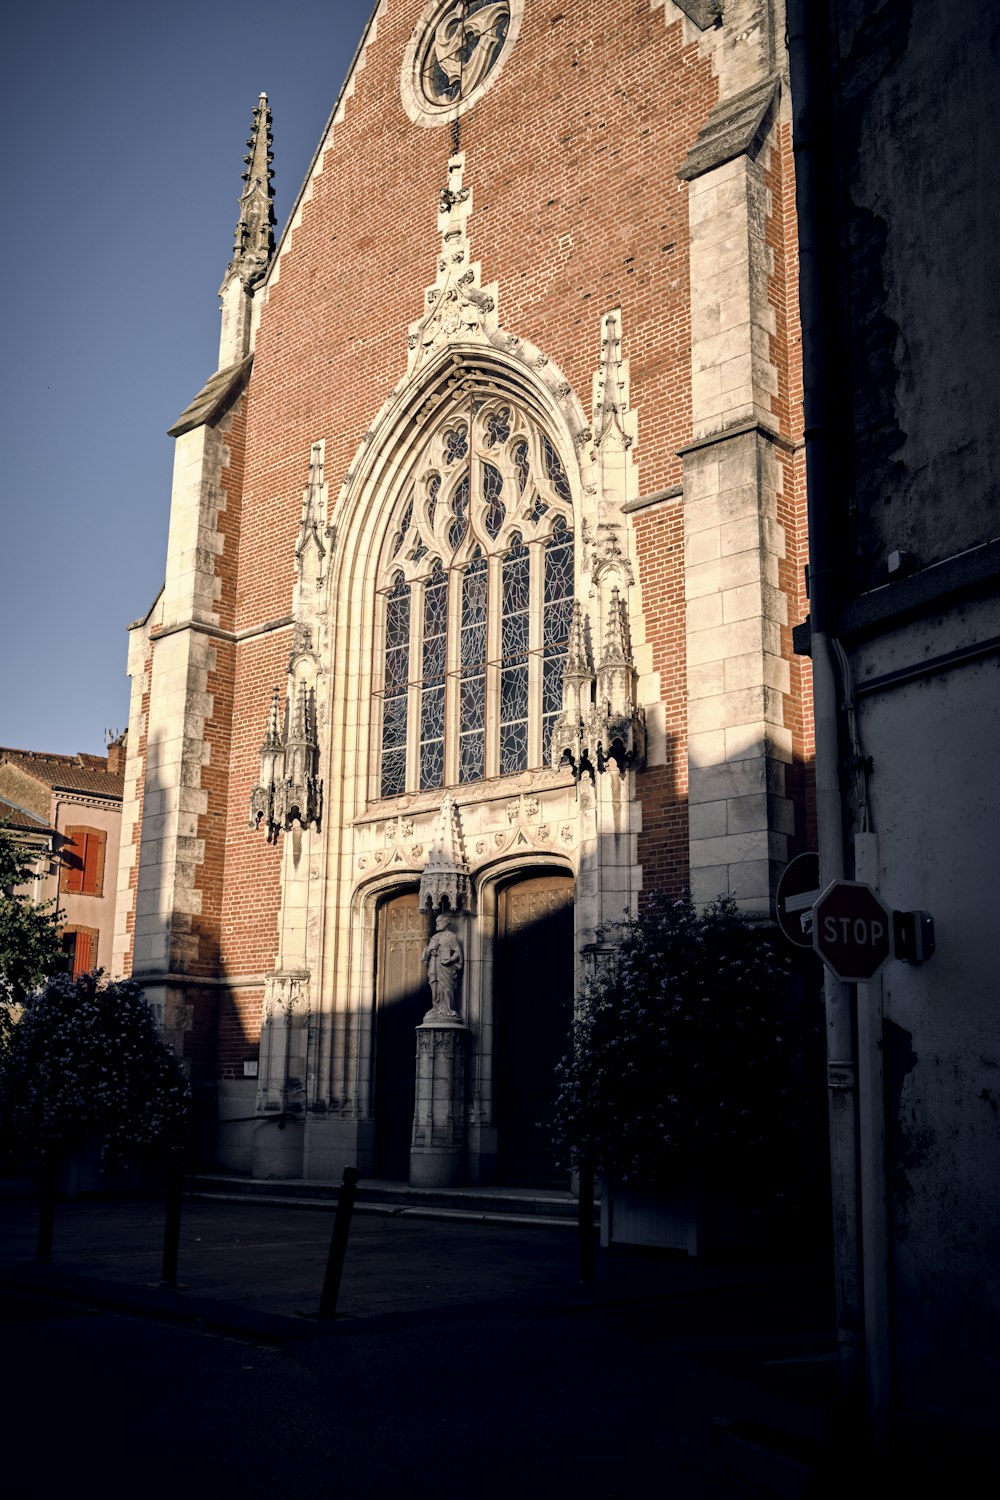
(476, 590)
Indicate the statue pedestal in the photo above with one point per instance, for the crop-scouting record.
(437, 1152)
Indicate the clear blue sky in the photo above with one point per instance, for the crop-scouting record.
(126, 123)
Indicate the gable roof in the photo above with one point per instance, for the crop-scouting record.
(67, 773)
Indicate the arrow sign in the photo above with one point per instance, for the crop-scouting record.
(852, 930)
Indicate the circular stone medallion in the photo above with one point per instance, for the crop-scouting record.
(454, 54)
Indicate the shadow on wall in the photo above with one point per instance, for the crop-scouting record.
(517, 1036)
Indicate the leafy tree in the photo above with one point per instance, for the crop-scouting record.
(687, 1055)
(85, 1063)
(29, 935)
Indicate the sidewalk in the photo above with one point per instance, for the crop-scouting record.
(749, 1343)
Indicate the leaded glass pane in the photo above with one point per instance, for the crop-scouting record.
(434, 664)
(557, 618)
(394, 722)
(404, 527)
(395, 678)
(473, 645)
(460, 510)
(555, 470)
(538, 510)
(515, 635)
(472, 765)
(456, 445)
(513, 748)
(516, 579)
(498, 427)
(552, 675)
(433, 490)
(472, 704)
(397, 615)
(558, 572)
(495, 508)
(397, 669)
(393, 773)
(472, 685)
(523, 467)
(431, 765)
(514, 692)
(432, 712)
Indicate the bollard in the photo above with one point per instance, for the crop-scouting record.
(338, 1244)
(172, 1224)
(585, 1218)
(47, 1215)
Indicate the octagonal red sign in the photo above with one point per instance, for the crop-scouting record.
(852, 930)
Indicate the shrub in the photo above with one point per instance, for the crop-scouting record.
(85, 1062)
(685, 1054)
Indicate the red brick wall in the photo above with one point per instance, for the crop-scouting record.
(786, 353)
(663, 841)
(572, 158)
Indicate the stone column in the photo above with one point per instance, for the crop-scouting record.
(738, 743)
(437, 1155)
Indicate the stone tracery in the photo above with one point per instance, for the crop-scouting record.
(477, 588)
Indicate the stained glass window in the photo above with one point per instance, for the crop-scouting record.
(484, 592)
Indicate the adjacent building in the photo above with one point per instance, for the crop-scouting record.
(898, 188)
(67, 810)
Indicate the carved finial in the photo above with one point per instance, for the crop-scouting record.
(576, 656)
(272, 739)
(616, 638)
(254, 240)
(611, 394)
(313, 512)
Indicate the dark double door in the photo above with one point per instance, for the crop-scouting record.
(533, 1008)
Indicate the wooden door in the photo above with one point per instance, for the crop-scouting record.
(403, 998)
(534, 1011)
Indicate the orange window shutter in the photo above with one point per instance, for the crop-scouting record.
(74, 854)
(82, 958)
(93, 864)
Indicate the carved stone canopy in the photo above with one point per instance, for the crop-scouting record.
(445, 884)
(601, 723)
(289, 790)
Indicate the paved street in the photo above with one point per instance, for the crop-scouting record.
(467, 1358)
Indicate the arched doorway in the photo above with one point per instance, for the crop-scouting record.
(534, 1011)
(402, 998)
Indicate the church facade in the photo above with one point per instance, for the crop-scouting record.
(486, 541)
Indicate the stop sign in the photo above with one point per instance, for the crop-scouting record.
(852, 930)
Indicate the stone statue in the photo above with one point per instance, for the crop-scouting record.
(443, 961)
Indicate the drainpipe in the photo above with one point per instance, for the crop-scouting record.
(814, 189)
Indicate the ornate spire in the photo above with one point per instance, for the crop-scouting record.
(446, 874)
(618, 729)
(569, 730)
(254, 240)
